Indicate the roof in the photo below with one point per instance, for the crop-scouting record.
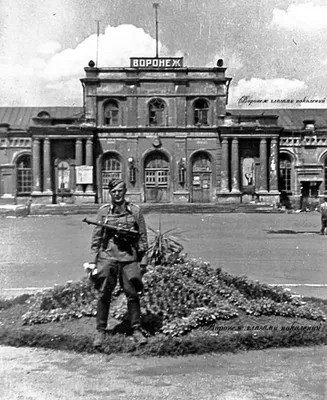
(289, 118)
(21, 117)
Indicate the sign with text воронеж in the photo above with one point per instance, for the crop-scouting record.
(156, 62)
(84, 174)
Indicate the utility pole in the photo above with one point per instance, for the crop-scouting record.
(156, 6)
(98, 33)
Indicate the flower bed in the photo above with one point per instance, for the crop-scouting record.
(184, 301)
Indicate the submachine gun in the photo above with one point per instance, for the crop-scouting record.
(129, 235)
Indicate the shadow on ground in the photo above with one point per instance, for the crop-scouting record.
(291, 232)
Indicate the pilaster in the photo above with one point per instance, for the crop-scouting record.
(235, 167)
(263, 187)
(224, 188)
(47, 167)
(36, 167)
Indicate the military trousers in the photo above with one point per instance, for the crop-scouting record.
(130, 279)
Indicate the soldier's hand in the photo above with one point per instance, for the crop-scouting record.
(142, 258)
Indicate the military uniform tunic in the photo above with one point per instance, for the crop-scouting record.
(128, 217)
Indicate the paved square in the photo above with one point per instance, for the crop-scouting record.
(272, 248)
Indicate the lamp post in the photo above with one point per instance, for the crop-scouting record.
(156, 6)
(181, 171)
(132, 169)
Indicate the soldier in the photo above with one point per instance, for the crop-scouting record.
(323, 212)
(119, 257)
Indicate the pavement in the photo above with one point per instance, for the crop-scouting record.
(279, 249)
(274, 374)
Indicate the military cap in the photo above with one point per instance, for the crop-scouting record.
(114, 182)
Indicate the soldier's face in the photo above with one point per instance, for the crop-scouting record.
(118, 194)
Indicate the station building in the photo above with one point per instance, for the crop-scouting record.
(166, 129)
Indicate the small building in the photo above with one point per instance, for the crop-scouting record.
(166, 129)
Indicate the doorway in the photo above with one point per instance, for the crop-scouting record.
(156, 178)
(201, 178)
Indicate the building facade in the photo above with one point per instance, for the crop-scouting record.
(167, 131)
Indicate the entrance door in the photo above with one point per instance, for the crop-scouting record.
(111, 168)
(156, 178)
(24, 176)
(201, 179)
(6, 183)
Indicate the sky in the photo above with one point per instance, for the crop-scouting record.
(275, 51)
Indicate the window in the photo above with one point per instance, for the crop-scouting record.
(111, 168)
(157, 112)
(285, 174)
(201, 109)
(43, 114)
(325, 173)
(111, 113)
(156, 170)
(24, 175)
(201, 163)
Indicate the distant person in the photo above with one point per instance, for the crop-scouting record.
(119, 258)
(323, 211)
(285, 200)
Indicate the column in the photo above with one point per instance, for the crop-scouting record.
(36, 166)
(79, 159)
(235, 167)
(224, 166)
(72, 175)
(263, 165)
(89, 160)
(46, 166)
(273, 166)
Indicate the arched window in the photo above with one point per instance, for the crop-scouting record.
(201, 162)
(201, 110)
(111, 113)
(157, 110)
(43, 114)
(325, 173)
(111, 168)
(24, 175)
(285, 173)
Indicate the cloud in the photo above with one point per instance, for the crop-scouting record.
(305, 17)
(265, 93)
(49, 48)
(115, 47)
(54, 79)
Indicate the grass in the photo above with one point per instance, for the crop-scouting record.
(77, 335)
